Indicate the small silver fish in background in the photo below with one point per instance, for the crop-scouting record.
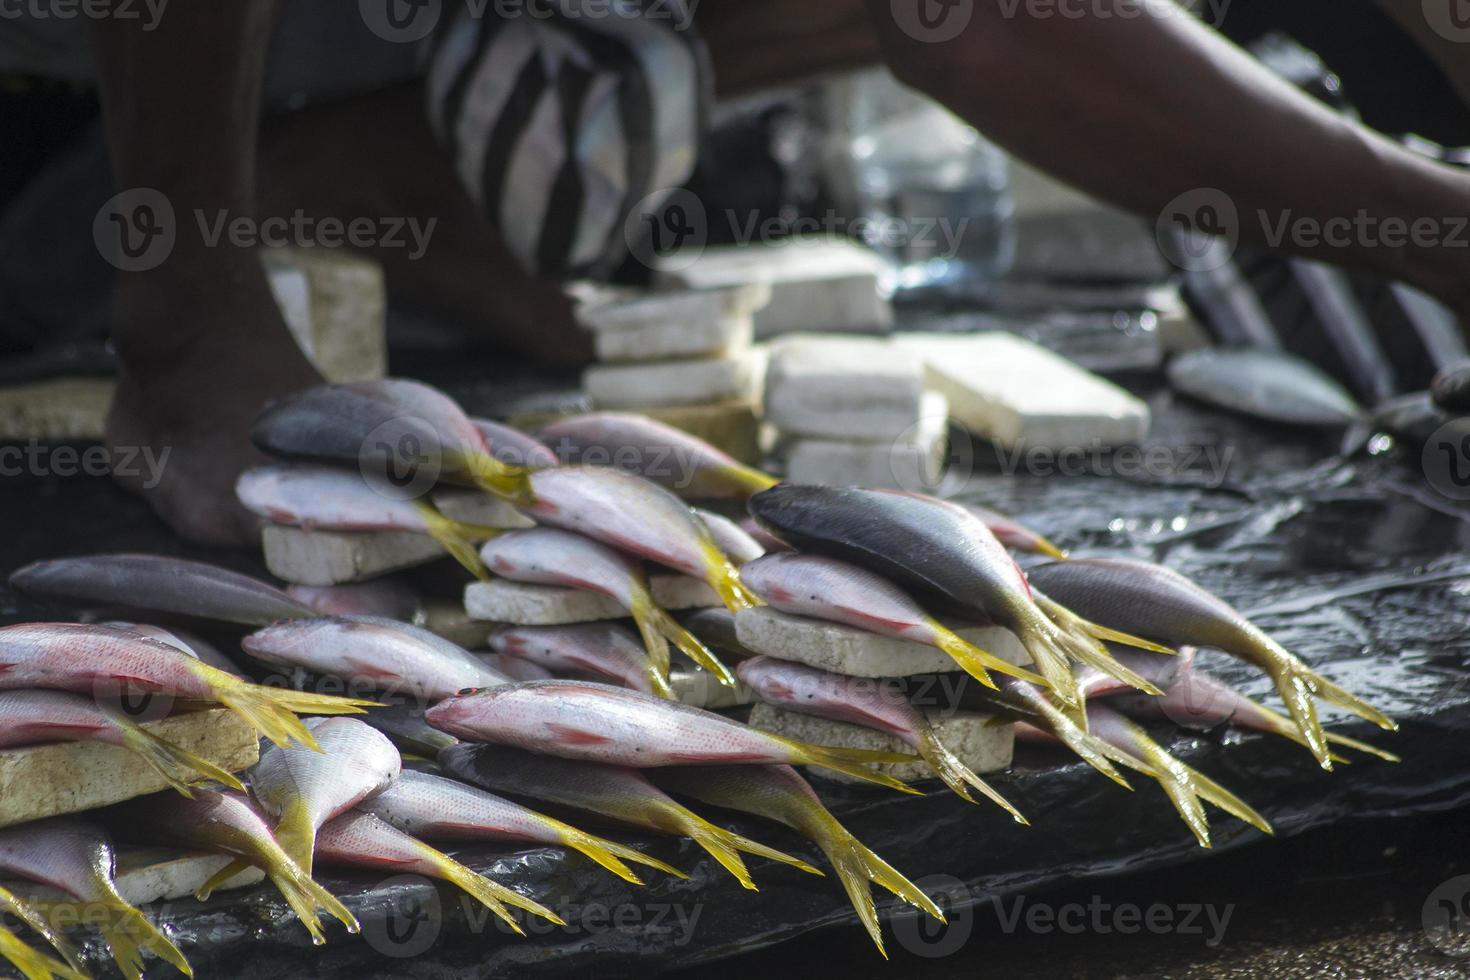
(732, 539)
(385, 597)
(516, 668)
(513, 447)
(77, 858)
(432, 807)
(604, 650)
(762, 536)
(671, 457)
(1265, 384)
(549, 556)
(323, 498)
(615, 726)
(1159, 602)
(303, 789)
(405, 724)
(37, 717)
(380, 654)
(779, 793)
(611, 792)
(406, 423)
(1130, 745)
(629, 513)
(228, 823)
(875, 704)
(841, 592)
(158, 583)
(34, 965)
(361, 840)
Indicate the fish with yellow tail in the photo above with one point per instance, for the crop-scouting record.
(32, 964)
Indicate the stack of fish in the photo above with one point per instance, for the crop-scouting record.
(1107, 641)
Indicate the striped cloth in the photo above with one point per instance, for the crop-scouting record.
(564, 118)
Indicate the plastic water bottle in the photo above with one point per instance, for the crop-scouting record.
(933, 193)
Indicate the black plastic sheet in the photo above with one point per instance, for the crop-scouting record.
(1356, 566)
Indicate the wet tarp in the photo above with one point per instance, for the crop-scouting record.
(1357, 566)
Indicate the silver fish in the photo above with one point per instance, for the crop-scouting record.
(604, 650)
(612, 725)
(158, 583)
(1007, 531)
(385, 597)
(875, 704)
(737, 545)
(1269, 385)
(516, 668)
(672, 457)
(514, 447)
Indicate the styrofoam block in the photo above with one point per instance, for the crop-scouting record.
(816, 284)
(688, 382)
(503, 601)
(857, 653)
(478, 507)
(50, 780)
(159, 875)
(977, 741)
(912, 462)
(629, 311)
(724, 336)
(1020, 394)
(731, 426)
(843, 388)
(304, 557)
(448, 618)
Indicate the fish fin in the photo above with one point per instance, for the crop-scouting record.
(638, 857)
(1186, 787)
(458, 538)
(849, 761)
(957, 775)
(1089, 748)
(1045, 644)
(597, 850)
(770, 853)
(975, 660)
(1088, 651)
(302, 901)
(266, 709)
(1272, 721)
(296, 833)
(238, 866)
(503, 480)
(307, 703)
(128, 932)
(1364, 747)
(32, 964)
(645, 614)
(715, 841)
(177, 766)
(492, 895)
(724, 577)
(1332, 694)
(1042, 546)
(691, 647)
(1125, 639)
(37, 923)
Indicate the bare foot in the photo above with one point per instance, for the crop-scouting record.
(192, 393)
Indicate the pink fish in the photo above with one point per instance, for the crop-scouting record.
(604, 650)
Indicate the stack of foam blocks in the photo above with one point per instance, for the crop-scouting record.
(685, 357)
(853, 411)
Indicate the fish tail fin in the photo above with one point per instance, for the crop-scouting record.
(1044, 547)
(458, 538)
(1089, 748)
(691, 647)
(974, 660)
(1332, 694)
(179, 767)
(296, 833)
(1187, 787)
(852, 762)
(769, 853)
(751, 479)
(1089, 651)
(128, 932)
(1364, 747)
(503, 480)
(221, 876)
(1086, 630)
(37, 923)
(1294, 684)
(645, 613)
(597, 850)
(724, 577)
(1266, 719)
(261, 707)
(32, 964)
(636, 856)
(492, 895)
(958, 776)
(1045, 644)
(302, 900)
(716, 842)
(307, 703)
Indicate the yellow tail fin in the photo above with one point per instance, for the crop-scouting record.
(1044, 642)
(220, 877)
(975, 660)
(494, 896)
(296, 833)
(271, 710)
(174, 764)
(638, 857)
(853, 762)
(512, 483)
(714, 841)
(33, 965)
(958, 776)
(459, 539)
(37, 923)
(127, 933)
(856, 866)
(645, 614)
(724, 577)
(1090, 749)
(691, 647)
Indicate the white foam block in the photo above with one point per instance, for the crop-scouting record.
(816, 284)
(971, 736)
(50, 780)
(858, 653)
(914, 461)
(448, 618)
(675, 324)
(478, 507)
(503, 601)
(687, 382)
(721, 337)
(304, 557)
(154, 874)
(843, 388)
(1017, 393)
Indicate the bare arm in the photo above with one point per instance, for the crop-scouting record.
(1138, 104)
